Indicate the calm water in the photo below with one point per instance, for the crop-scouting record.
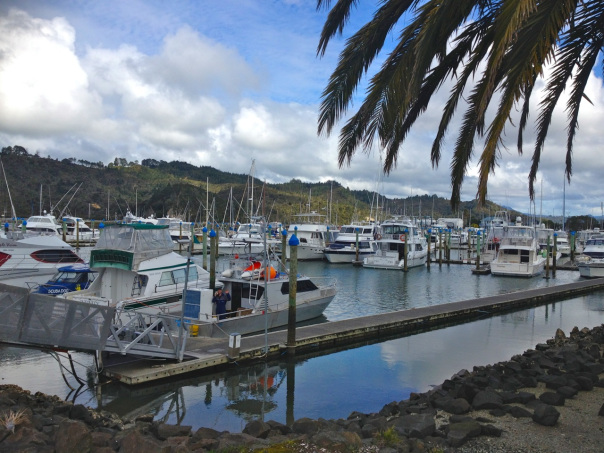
(333, 385)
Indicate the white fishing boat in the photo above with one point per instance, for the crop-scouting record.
(591, 263)
(354, 242)
(260, 298)
(138, 272)
(314, 235)
(396, 236)
(518, 254)
(30, 260)
(245, 239)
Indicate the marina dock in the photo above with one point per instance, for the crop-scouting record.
(208, 354)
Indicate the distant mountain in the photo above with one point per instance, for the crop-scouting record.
(95, 191)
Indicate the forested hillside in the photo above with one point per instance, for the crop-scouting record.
(96, 191)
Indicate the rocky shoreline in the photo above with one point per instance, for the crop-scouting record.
(550, 398)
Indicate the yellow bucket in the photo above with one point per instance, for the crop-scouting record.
(194, 330)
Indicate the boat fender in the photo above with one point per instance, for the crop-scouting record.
(227, 273)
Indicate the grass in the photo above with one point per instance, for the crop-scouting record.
(11, 419)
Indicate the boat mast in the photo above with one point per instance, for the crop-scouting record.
(12, 206)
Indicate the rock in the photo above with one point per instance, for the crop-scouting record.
(257, 428)
(206, 433)
(567, 391)
(81, 412)
(585, 383)
(164, 431)
(306, 426)
(552, 398)
(337, 440)
(519, 412)
(283, 429)
(230, 441)
(73, 436)
(415, 425)
(546, 415)
(134, 442)
(459, 433)
(560, 335)
(553, 382)
(487, 399)
(601, 412)
(453, 405)
(490, 430)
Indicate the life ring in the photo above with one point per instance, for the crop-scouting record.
(378, 236)
(402, 237)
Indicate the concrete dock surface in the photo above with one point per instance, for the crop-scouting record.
(209, 353)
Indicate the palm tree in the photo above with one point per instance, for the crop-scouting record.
(513, 40)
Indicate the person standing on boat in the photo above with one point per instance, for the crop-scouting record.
(220, 299)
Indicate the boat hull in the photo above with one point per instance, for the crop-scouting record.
(256, 322)
(345, 256)
(517, 269)
(385, 262)
(591, 270)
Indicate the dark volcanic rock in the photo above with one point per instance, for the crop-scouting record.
(546, 415)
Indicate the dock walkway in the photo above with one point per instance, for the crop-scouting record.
(206, 354)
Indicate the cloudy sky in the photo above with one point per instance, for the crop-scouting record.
(224, 83)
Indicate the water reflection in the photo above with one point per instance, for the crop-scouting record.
(333, 385)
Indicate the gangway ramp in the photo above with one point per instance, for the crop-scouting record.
(30, 319)
(41, 321)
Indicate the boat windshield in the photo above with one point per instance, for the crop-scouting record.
(396, 229)
(135, 238)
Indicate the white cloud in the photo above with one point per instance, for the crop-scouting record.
(43, 87)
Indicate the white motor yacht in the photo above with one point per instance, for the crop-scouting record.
(591, 263)
(314, 235)
(397, 235)
(353, 243)
(30, 260)
(138, 271)
(518, 254)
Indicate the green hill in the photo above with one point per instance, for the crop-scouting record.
(97, 191)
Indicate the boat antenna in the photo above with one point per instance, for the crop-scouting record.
(12, 206)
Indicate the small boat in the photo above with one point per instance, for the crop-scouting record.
(138, 272)
(354, 243)
(30, 260)
(260, 298)
(76, 277)
(46, 224)
(77, 229)
(396, 236)
(591, 263)
(314, 235)
(246, 239)
(518, 254)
